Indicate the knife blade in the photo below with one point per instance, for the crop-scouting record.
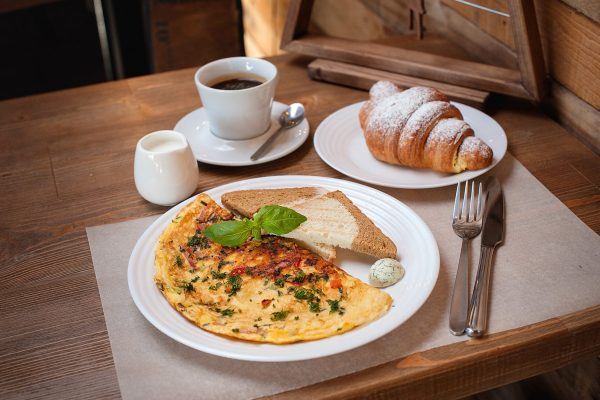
(493, 218)
(492, 235)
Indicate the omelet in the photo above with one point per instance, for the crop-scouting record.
(270, 290)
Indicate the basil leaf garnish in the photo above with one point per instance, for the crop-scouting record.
(278, 220)
(272, 219)
(230, 233)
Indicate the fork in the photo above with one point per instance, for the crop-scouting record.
(466, 223)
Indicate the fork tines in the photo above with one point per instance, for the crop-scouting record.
(468, 212)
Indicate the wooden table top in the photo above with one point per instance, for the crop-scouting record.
(67, 163)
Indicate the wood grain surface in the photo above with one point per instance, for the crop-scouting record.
(67, 161)
(497, 26)
(363, 78)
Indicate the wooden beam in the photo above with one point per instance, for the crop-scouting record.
(414, 63)
(528, 46)
(297, 20)
(364, 77)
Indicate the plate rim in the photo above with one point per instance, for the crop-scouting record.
(318, 180)
(265, 159)
(319, 133)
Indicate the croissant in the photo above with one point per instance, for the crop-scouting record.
(419, 128)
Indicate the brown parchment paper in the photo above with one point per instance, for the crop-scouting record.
(548, 266)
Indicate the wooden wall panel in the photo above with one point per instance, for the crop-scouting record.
(571, 44)
(370, 20)
(360, 21)
(495, 25)
(193, 32)
(477, 42)
(574, 113)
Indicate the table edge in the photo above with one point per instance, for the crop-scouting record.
(461, 369)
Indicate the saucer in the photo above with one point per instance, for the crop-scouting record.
(210, 149)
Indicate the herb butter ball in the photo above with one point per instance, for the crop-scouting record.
(385, 272)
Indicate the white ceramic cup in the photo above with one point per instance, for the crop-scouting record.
(165, 170)
(237, 114)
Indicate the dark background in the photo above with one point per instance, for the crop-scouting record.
(48, 45)
(54, 46)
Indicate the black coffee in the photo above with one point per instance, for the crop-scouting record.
(236, 84)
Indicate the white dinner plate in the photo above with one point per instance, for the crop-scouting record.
(417, 250)
(339, 141)
(210, 149)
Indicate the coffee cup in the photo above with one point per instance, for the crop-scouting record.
(165, 170)
(237, 94)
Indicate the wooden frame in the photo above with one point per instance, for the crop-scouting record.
(526, 82)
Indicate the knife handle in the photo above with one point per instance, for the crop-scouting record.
(478, 308)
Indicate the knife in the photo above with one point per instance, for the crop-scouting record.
(492, 235)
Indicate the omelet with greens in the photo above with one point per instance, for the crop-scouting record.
(268, 290)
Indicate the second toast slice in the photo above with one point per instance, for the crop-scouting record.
(332, 218)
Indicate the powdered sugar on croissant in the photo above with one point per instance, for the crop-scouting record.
(418, 127)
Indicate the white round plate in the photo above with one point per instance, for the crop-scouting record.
(339, 141)
(417, 250)
(210, 149)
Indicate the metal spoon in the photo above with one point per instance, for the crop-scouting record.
(291, 117)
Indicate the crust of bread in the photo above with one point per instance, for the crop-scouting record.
(370, 239)
(248, 202)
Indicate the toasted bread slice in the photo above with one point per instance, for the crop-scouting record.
(332, 219)
(326, 251)
(248, 202)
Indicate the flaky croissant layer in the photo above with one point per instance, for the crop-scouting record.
(419, 128)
